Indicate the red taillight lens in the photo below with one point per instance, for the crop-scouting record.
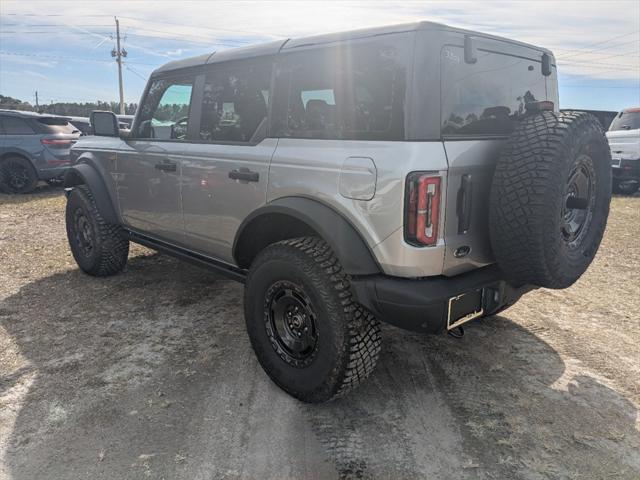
(422, 209)
(57, 142)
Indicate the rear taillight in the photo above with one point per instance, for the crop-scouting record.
(57, 142)
(422, 208)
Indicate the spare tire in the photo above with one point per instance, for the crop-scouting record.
(549, 199)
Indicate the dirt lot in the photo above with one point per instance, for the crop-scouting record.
(149, 374)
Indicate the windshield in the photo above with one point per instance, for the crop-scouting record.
(629, 120)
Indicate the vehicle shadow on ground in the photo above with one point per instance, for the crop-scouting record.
(150, 373)
(44, 190)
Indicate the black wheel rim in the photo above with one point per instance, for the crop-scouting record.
(290, 321)
(579, 202)
(83, 233)
(16, 176)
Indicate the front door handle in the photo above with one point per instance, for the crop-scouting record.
(167, 166)
(244, 174)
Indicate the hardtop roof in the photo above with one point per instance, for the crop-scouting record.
(273, 47)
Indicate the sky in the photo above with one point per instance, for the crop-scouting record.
(63, 48)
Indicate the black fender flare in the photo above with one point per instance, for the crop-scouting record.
(84, 173)
(350, 248)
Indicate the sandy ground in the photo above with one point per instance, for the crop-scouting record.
(149, 374)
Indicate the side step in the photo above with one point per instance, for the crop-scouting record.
(217, 266)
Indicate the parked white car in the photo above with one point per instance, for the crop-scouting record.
(624, 140)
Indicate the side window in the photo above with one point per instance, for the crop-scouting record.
(165, 110)
(352, 92)
(235, 99)
(15, 126)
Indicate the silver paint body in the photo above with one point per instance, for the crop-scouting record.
(198, 207)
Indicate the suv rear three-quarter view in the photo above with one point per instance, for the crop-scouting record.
(33, 147)
(417, 174)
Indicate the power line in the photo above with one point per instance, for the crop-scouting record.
(58, 57)
(603, 48)
(135, 72)
(233, 30)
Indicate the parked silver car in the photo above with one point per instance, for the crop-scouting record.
(418, 174)
(33, 147)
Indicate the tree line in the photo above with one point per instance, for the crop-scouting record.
(71, 109)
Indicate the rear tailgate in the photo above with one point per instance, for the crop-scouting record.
(480, 105)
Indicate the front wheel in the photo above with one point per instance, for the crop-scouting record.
(308, 333)
(99, 248)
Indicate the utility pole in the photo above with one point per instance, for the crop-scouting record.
(118, 53)
(37, 105)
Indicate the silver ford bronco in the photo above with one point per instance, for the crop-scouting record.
(417, 174)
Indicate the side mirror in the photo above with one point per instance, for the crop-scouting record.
(104, 123)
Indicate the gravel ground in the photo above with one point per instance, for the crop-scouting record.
(149, 374)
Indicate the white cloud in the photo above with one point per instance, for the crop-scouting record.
(580, 32)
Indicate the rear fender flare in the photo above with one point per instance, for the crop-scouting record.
(353, 252)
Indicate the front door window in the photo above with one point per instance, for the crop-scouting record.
(165, 112)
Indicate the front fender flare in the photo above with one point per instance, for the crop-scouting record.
(85, 174)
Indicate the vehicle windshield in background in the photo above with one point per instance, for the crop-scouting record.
(629, 120)
(487, 97)
(57, 125)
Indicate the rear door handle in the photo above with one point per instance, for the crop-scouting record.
(167, 166)
(244, 174)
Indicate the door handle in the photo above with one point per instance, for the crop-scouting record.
(244, 174)
(167, 166)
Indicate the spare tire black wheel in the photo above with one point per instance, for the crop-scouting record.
(550, 198)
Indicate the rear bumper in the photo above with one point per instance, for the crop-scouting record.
(628, 170)
(52, 173)
(421, 305)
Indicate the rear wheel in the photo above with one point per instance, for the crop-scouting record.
(308, 333)
(99, 248)
(17, 175)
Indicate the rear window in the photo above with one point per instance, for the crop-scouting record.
(626, 121)
(57, 125)
(487, 97)
(352, 92)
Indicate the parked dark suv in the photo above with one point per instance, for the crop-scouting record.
(33, 147)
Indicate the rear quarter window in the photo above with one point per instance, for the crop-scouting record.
(626, 121)
(487, 97)
(354, 91)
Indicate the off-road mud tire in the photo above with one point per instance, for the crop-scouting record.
(103, 249)
(529, 206)
(348, 336)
